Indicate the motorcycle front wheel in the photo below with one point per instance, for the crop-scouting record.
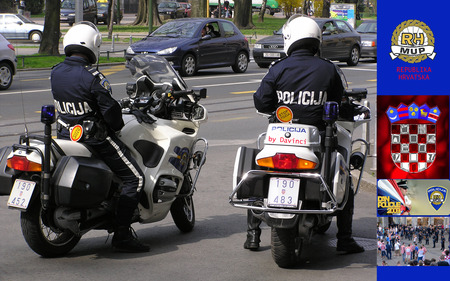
(45, 241)
(183, 213)
(286, 247)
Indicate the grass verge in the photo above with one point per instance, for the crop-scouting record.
(37, 61)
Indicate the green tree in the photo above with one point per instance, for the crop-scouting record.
(35, 6)
(50, 38)
(290, 6)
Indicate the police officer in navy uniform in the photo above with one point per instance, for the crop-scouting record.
(303, 82)
(83, 97)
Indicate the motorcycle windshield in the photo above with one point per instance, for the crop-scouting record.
(157, 69)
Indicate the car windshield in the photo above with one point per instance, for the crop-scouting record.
(68, 4)
(278, 32)
(177, 29)
(167, 5)
(24, 19)
(367, 27)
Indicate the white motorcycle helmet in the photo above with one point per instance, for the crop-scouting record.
(84, 38)
(299, 31)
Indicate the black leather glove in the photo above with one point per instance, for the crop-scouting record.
(142, 117)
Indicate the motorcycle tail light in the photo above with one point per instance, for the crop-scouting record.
(21, 163)
(286, 162)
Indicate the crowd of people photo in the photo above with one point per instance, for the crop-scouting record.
(406, 245)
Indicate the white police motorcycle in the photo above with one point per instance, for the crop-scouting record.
(299, 179)
(64, 190)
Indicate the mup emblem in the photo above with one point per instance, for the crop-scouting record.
(437, 196)
(412, 42)
(413, 136)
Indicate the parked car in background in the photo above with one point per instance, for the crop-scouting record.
(8, 63)
(187, 9)
(173, 9)
(339, 42)
(102, 12)
(19, 27)
(368, 31)
(68, 11)
(181, 42)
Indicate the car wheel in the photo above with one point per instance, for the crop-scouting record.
(95, 21)
(35, 36)
(241, 63)
(188, 65)
(354, 56)
(6, 76)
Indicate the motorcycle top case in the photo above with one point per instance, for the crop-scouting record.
(81, 182)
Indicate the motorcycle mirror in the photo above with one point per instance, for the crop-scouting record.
(201, 92)
(330, 111)
(357, 93)
(131, 89)
(48, 116)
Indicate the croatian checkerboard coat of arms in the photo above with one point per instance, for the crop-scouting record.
(413, 136)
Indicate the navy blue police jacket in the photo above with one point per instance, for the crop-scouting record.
(303, 82)
(81, 92)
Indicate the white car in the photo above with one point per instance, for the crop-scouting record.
(19, 27)
(8, 63)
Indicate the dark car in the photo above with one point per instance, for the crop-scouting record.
(339, 42)
(368, 31)
(102, 12)
(181, 42)
(173, 9)
(67, 13)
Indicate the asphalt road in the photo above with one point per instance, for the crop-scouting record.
(213, 251)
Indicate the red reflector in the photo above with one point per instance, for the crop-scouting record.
(21, 163)
(291, 162)
(11, 47)
(285, 161)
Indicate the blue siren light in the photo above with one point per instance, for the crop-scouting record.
(330, 111)
(48, 114)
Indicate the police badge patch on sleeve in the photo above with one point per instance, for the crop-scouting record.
(105, 84)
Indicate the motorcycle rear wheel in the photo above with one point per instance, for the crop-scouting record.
(286, 247)
(42, 239)
(183, 213)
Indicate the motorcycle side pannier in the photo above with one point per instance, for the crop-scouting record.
(81, 182)
(254, 185)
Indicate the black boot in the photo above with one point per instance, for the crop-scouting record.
(344, 221)
(125, 240)
(253, 232)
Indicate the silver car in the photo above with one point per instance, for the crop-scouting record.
(19, 27)
(8, 63)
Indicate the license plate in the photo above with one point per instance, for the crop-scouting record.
(21, 194)
(283, 192)
(271, 55)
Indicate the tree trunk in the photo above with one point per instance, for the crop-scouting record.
(243, 14)
(110, 19)
(50, 38)
(198, 8)
(262, 11)
(142, 14)
(326, 9)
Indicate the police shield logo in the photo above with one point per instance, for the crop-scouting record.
(412, 42)
(413, 136)
(437, 196)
